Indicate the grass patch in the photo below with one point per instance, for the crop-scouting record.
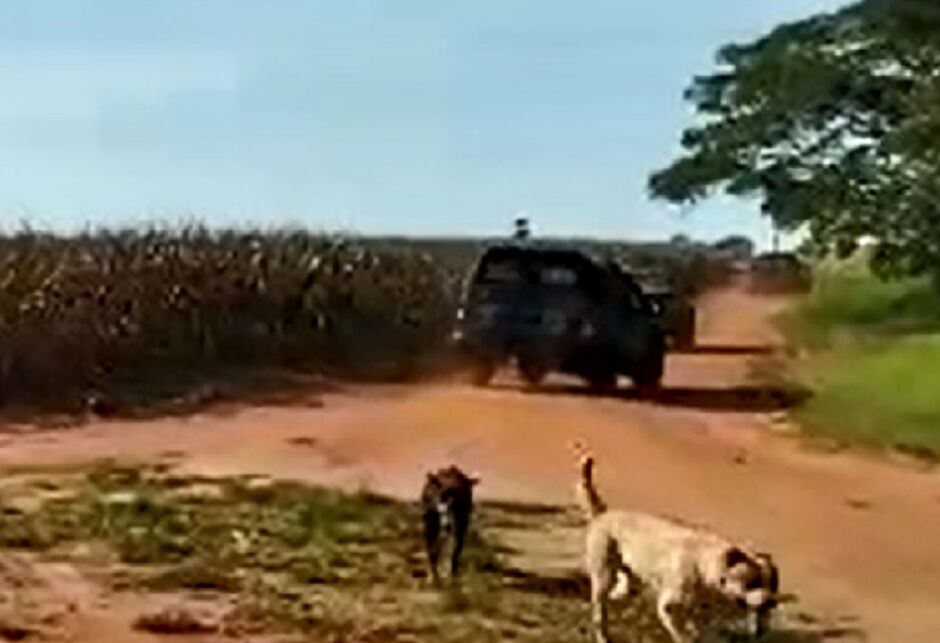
(249, 523)
(851, 306)
(884, 396)
(271, 558)
(290, 558)
(873, 349)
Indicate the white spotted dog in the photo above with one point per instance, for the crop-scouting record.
(680, 564)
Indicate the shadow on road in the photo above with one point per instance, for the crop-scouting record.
(756, 350)
(809, 629)
(223, 395)
(575, 586)
(745, 398)
(816, 635)
(571, 585)
(528, 509)
(732, 399)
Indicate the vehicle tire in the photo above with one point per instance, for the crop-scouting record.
(649, 374)
(482, 372)
(602, 381)
(532, 372)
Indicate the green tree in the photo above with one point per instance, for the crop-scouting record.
(832, 122)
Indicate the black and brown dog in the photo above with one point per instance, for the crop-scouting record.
(446, 506)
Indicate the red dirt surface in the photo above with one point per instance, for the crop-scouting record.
(857, 538)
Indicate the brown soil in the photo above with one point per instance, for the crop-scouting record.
(857, 538)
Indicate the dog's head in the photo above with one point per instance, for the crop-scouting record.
(753, 581)
(448, 491)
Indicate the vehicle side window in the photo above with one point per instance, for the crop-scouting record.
(558, 276)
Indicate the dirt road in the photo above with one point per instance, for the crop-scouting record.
(857, 539)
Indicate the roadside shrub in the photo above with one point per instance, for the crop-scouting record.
(871, 352)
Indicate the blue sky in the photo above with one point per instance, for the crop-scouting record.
(380, 116)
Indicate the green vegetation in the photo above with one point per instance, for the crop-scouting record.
(874, 349)
(288, 558)
(833, 122)
(105, 310)
(144, 316)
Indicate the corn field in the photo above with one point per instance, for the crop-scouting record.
(103, 310)
(82, 312)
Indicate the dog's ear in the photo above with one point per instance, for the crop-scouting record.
(764, 560)
(735, 556)
(769, 572)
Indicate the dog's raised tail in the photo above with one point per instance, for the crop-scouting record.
(588, 498)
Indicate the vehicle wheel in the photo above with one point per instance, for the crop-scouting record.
(649, 375)
(603, 381)
(532, 372)
(482, 372)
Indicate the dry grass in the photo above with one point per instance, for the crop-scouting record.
(117, 319)
(283, 558)
(143, 308)
(295, 559)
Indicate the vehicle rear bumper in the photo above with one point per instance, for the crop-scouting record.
(549, 350)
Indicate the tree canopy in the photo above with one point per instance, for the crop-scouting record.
(833, 122)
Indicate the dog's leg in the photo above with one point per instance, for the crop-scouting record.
(599, 617)
(602, 564)
(432, 543)
(760, 622)
(461, 525)
(665, 608)
(602, 582)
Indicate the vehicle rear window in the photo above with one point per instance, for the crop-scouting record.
(501, 271)
(532, 268)
(558, 276)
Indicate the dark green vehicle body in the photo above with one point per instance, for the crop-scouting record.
(674, 310)
(676, 315)
(556, 310)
